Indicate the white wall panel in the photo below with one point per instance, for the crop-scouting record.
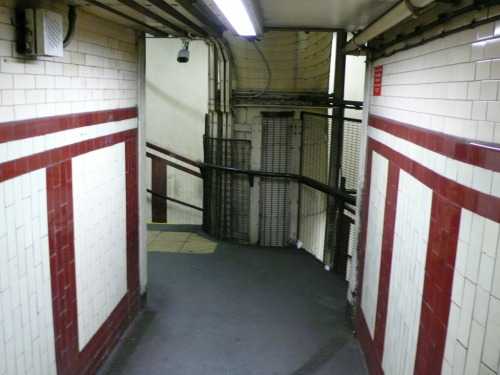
(26, 321)
(473, 336)
(411, 236)
(100, 236)
(376, 214)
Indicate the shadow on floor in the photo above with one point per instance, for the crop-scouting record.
(215, 308)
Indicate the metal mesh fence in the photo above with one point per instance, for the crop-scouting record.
(350, 154)
(274, 210)
(312, 211)
(225, 194)
(329, 154)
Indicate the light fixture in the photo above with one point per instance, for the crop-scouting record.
(239, 16)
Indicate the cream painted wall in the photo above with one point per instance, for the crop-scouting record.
(354, 83)
(176, 96)
(176, 104)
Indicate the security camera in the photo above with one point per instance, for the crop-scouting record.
(183, 56)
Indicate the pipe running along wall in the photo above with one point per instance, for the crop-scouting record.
(395, 15)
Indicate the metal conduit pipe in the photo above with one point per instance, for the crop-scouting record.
(395, 15)
(212, 88)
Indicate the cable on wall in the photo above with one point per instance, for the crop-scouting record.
(268, 70)
(71, 26)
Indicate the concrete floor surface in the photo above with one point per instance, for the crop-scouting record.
(225, 309)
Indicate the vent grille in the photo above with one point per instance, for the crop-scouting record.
(118, 359)
(319, 359)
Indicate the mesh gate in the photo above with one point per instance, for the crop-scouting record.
(350, 155)
(329, 154)
(274, 211)
(226, 195)
(315, 156)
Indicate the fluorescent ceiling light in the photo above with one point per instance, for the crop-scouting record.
(237, 15)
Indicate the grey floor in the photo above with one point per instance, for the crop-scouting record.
(224, 309)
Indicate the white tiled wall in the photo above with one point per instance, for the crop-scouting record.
(376, 213)
(476, 281)
(409, 253)
(449, 85)
(97, 71)
(26, 322)
(473, 337)
(100, 236)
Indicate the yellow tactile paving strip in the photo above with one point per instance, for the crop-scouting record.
(179, 242)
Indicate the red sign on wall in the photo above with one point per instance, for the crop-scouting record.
(377, 80)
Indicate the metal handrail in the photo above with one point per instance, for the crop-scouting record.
(165, 162)
(174, 200)
(343, 195)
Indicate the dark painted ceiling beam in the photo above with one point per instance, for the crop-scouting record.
(153, 30)
(196, 13)
(160, 4)
(139, 8)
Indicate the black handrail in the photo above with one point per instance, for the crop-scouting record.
(343, 195)
(174, 200)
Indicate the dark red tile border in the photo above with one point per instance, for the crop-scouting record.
(62, 262)
(372, 353)
(46, 159)
(463, 196)
(12, 131)
(133, 279)
(364, 223)
(97, 350)
(456, 148)
(371, 357)
(159, 186)
(438, 282)
(386, 258)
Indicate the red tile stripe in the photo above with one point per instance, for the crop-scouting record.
(45, 159)
(12, 131)
(133, 280)
(92, 357)
(452, 147)
(62, 262)
(438, 281)
(372, 356)
(386, 258)
(460, 195)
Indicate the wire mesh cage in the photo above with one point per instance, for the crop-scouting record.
(274, 209)
(226, 195)
(330, 155)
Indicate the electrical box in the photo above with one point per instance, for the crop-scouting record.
(43, 33)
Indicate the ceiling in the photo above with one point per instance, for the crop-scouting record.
(388, 25)
(197, 18)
